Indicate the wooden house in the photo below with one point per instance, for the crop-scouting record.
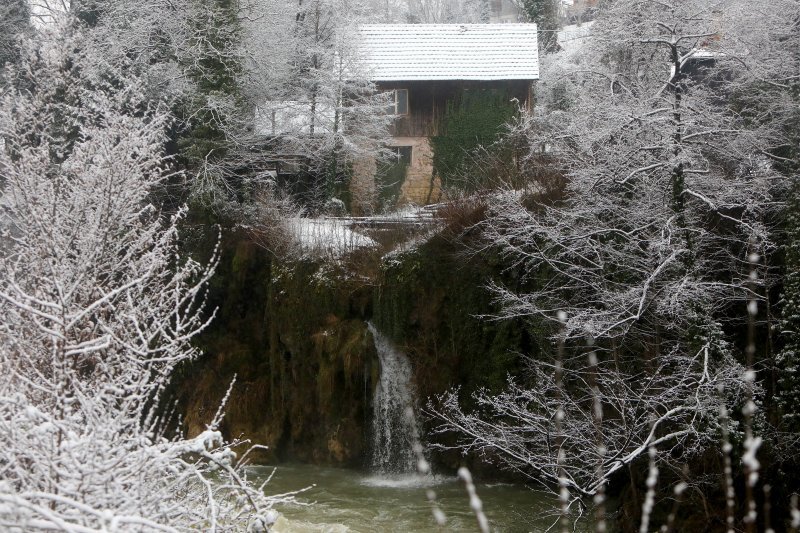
(425, 66)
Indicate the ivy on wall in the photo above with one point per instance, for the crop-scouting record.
(474, 119)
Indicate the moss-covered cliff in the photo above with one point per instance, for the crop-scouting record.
(294, 333)
(299, 349)
(433, 302)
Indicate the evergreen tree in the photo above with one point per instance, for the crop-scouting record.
(14, 21)
(208, 113)
(545, 14)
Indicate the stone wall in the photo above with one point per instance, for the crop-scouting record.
(417, 187)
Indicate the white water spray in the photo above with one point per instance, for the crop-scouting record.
(395, 430)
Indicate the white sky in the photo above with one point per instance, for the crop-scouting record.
(42, 11)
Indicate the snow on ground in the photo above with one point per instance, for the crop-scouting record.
(337, 236)
(327, 235)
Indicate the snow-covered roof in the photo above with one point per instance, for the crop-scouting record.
(400, 52)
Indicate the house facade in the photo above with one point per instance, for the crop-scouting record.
(427, 67)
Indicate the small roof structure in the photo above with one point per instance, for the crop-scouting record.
(406, 52)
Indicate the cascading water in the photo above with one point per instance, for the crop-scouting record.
(394, 425)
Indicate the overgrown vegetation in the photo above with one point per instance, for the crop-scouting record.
(473, 122)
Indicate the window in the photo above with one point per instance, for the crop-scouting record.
(398, 102)
(402, 154)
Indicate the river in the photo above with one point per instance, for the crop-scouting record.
(345, 500)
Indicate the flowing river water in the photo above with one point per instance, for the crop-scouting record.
(342, 500)
(393, 497)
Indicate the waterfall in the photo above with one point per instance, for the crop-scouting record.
(394, 423)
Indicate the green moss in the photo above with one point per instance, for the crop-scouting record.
(431, 302)
(294, 335)
(476, 118)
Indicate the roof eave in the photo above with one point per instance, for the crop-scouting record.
(466, 78)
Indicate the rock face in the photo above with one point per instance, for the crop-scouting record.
(301, 354)
(295, 335)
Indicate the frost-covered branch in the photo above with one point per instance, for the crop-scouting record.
(98, 310)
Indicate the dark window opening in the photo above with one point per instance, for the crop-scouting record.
(398, 103)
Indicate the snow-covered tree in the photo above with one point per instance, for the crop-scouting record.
(545, 13)
(188, 55)
(427, 11)
(446, 11)
(668, 402)
(667, 181)
(770, 99)
(210, 112)
(98, 309)
(669, 186)
(312, 96)
(14, 22)
(156, 40)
